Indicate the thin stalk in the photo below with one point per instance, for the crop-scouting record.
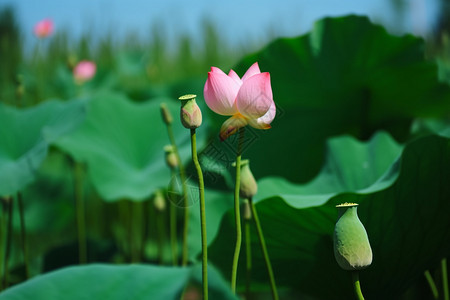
(173, 233)
(444, 278)
(248, 254)
(356, 285)
(125, 240)
(3, 225)
(184, 256)
(237, 213)
(80, 211)
(173, 229)
(23, 233)
(8, 243)
(202, 214)
(136, 219)
(432, 284)
(262, 243)
(161, 233)
(131, 231)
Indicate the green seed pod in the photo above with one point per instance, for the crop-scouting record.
(248, 186)
(190, 114)
(159, 201)
(351, 243)
(171, 157)
(166, 115)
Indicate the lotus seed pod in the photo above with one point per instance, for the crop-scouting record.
(159, 201)
(351, 243)
(166, 115)
(171, 157)
(190, 114)
(248, 186)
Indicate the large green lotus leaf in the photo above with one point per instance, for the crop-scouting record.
(350, 166)
(427, 126)
(117, 282)
(122, 144)
(339, 174)
(25, 135)
(347, 76)
(405, 213)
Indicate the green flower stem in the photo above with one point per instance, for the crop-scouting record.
(173, 228)
(202, 214)
(137, 221)
(173, 233)
(248, 255)
(161, 234)
(356, 284)
(23, 234)
(3, 225)
(184, 257)
(123, 216)
(80, 211)
(262, 243)
(444, 278)
(8, 243)
(237, 213)
(201, 188)
(432, 284)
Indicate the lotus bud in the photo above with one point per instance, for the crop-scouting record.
(159, 201)
(85, 70)
(43, 28)
(351, 243)
(248, 185)
(166, 115)
(191, 115)
(171, 157)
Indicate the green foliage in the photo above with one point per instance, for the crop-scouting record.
(345, 76)
(10, 53)
(362, 117)
(122, 144)
(25, 136)
(137, 282)
(404, 209)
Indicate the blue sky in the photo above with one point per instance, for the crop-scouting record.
(239, 21)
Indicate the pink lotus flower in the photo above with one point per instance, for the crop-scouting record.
(84, 71)
(249, 101)
(43, 28)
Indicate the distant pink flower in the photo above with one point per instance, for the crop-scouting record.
(43, 28)
(249, 101)
(84, 71)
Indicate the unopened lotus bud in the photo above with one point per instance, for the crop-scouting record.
(159, 201)
(166, 115)
(171, 157)
(248, 186)
(191, 115)
(351, 243)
